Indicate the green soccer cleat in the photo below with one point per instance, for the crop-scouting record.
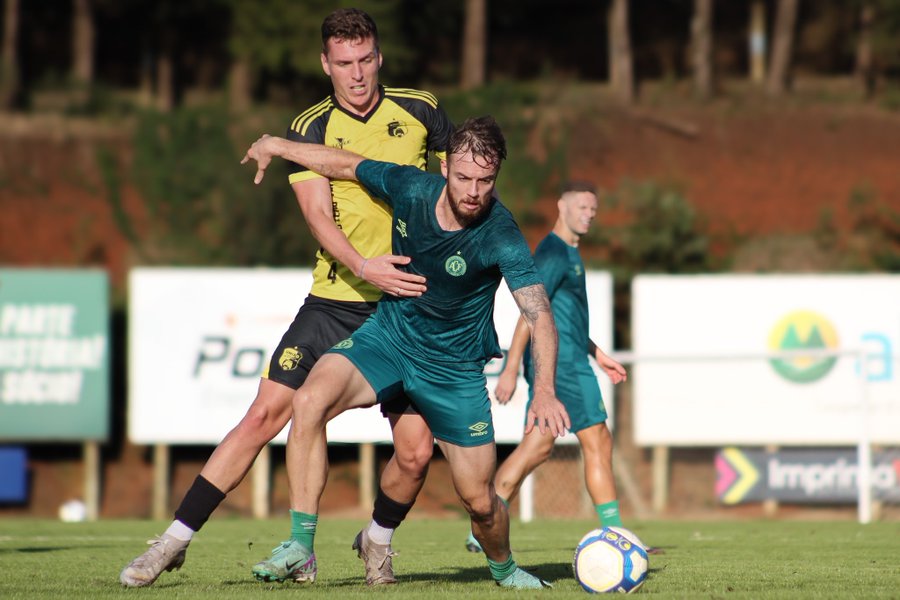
(166, 553)
(472, 544)
(289, 560)
(523, 580)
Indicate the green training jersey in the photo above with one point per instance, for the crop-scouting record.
(454, 320)
(562, 271)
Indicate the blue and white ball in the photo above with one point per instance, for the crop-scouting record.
(610, 559)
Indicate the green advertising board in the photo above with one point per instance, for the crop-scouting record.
(54, 355)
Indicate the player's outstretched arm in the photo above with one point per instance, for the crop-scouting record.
(506, 382)
(546, 408)
(615, 371)
(330, 162)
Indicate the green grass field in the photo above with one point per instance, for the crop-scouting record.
(741, 559)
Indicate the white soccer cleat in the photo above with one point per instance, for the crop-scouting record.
(166, 553)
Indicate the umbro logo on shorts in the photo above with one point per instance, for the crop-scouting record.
(478, 429)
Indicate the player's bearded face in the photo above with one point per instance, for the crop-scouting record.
(470, 185)
(353, 67)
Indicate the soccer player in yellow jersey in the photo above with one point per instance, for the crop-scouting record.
(353, 268)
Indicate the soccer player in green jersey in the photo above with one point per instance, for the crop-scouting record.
(562, 270)
(353, 267)
(434, 346)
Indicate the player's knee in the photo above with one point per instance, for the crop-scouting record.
(413, 460)
(309, 407)
(263, 422)
(481, 507)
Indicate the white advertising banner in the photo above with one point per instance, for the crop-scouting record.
(200, 338)
(703, 376)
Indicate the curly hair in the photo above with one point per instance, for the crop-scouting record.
(482, 137)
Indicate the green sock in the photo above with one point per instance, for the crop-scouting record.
(609, 514)
(500, 571)
(303, 528)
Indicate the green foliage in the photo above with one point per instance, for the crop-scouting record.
(200, 204)
(662, 232)
(878, 225)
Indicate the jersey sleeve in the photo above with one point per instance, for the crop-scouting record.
(309, 131)
(439, 129)
(388, 181)
(551, 266)
(514, 257)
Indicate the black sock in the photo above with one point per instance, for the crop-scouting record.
(199, 503)
(389, 513)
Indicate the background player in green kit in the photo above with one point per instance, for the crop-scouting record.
(433, 347)
(352, 269)
(559, 264)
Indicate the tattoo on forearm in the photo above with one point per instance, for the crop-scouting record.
(532, 300)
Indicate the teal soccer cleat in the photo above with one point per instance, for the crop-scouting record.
(290, 560)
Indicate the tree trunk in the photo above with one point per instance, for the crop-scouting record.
(165, 74)
(9, 69)
(621, 68)
(758, 41)
(865, 67)
(82, 42)
(702, 48)
(239, 85)
(474, 50)
(782, 47)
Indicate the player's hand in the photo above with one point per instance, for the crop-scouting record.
(261, 152)
(613, 369)
(549, 413)
(506, 385)
(382, 272)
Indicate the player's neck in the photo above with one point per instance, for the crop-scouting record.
(565, 234)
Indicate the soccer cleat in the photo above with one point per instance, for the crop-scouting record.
(166, 553)
(523, 580)
(289, 560)
(377, 558)
(472, 544)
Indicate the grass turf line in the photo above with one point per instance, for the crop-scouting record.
(737, 559)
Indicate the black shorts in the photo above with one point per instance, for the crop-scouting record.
(319, 325)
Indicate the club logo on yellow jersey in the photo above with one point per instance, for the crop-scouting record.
(401, 227)
(478, 429)
(344, 344)
(290, 358)
(456, 265)
(396, 129)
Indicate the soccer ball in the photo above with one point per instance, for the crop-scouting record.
(73, 511)
(610, 559)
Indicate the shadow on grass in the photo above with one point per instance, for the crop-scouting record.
(548, 571)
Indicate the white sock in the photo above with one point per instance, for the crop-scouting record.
(378, 534)
(180, 531)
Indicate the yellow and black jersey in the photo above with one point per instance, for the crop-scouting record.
(403, 127)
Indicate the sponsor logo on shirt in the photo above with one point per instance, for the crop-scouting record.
(401, 227)
(344, 344)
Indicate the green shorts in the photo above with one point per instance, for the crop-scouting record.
(578, 390)
(452, 397)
